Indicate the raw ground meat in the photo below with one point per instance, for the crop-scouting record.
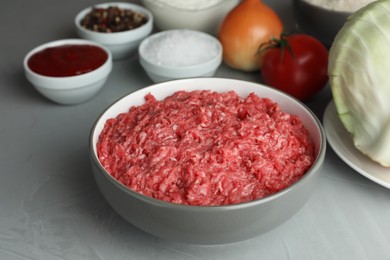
(206, 148)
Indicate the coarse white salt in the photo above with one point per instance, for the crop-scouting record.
(340, 5)
(178, 48)
(189, 4)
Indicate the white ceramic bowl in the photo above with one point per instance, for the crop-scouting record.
(207, 20)
(69, 90)
(208, 224)
(160, 71)
(121, 44)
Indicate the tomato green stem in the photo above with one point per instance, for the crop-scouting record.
(281, 43)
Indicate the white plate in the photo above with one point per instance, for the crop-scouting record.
(341, 142)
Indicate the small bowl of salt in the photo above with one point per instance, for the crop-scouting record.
(181, 53)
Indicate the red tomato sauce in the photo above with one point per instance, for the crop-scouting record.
(67, 60)
(206, 148)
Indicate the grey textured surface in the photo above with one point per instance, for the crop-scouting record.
(51, 208)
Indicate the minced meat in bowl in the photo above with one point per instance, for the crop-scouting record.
(183, 159)
(206, 148)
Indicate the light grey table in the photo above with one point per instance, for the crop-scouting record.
(51, 208)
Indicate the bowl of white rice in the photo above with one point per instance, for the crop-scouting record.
(200, 15)
(324, 18)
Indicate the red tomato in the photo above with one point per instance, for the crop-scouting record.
(299, 69)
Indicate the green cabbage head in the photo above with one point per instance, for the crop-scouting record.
(359, 76)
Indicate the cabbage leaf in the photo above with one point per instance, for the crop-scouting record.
(359, 77)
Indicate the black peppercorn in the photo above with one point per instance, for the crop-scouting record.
(112, 19)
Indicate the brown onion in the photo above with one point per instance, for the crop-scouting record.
(244, 29)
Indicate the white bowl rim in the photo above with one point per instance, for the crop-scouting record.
(160, 5)
(314, 169)
(97, 73)
(102, 35)
(167, 69)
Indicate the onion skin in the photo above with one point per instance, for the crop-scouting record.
(244, 29)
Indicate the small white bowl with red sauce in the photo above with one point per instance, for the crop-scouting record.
(68, 71)
(123, 43)
(189, 223)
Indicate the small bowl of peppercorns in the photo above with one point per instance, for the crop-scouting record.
(118, 26)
